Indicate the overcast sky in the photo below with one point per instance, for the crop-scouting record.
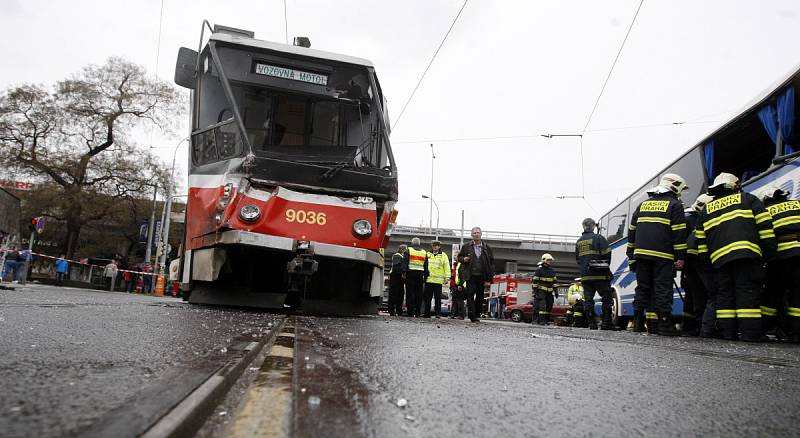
(508, 69)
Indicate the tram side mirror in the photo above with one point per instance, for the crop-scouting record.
(185, 68)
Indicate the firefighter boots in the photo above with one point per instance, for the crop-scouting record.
(638, 321)
(665, 326)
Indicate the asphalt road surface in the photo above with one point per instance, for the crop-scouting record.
(95, 363)
(395, 376)
(79, 362)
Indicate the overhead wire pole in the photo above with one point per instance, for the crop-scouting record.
(397, 121)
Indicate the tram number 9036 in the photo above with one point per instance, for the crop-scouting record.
(306, 217)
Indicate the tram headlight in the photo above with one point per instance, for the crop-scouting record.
(249, 213)
(362, 228)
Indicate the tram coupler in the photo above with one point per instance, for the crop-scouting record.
(300, 269)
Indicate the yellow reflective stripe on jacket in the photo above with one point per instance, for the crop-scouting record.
(763, 217)
(793, 311)
(655, 220)
(677, 227)
(784, 221)
(632, 227)
(588, 252)
(651, 253)
(692, 252)
(768, 311)
(785, 246)
(547, 279)
(700, 234)
(630, 245)
(711, 223)
(766, 234)
(679, 246)
(702, 248)
(416, 259)
(651, 315)
(748, 313)
(735, 246)
(726, 313)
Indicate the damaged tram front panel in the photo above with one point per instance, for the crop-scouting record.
(292, 183)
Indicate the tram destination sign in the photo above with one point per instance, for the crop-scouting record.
(288, 73)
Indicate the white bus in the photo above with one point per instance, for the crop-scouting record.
(760, 145)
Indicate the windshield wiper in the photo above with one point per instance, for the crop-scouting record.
(337, 167)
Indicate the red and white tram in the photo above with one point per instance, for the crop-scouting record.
(292, 183)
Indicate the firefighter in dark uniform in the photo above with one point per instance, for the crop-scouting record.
(697, 280)
(594, 258)
(397, 281)
(544, 280)
(735, 232)
(416, 259)
(783, 273)
(657, 246)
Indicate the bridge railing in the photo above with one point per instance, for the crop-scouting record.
(547, 239)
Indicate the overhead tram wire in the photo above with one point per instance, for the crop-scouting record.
(529, 136)
(421, 78)
(285, 22)
(597, 101)
(158, 55)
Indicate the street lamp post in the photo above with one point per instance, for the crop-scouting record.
(167, 210)
(437, 214)
(430, 217)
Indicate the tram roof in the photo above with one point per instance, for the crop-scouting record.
(285, 48)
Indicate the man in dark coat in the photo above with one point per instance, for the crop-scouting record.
(477, 266)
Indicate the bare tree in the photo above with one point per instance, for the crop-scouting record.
(78, 135)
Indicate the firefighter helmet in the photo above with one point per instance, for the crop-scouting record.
(674, 183)
(589, 224)
(728, 180)
(546, 257)
(774, 193)
(701, 202)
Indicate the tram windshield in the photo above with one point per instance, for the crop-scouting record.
(343, 127)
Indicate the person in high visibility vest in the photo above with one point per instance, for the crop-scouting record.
(397, 274)
(438, 274)
(416, 259)
(544, 279)
(575, 299)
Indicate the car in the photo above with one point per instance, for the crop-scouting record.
(523, 312)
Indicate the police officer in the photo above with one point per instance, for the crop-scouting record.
(438, 274)
(544, 279)
(697, 280)
(657, 246)
(575, 299)
(735, 232)
(397, 281)
(416, 259)
(783, 273)
(594, 257)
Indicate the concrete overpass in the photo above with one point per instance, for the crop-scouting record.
(513, 252)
